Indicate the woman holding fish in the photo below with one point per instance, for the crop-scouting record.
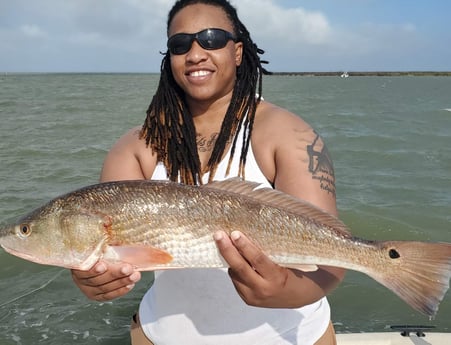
(206, 123)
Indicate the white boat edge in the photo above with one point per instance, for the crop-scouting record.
(393, 338)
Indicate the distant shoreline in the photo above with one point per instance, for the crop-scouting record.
(305, 74)
(367, 74)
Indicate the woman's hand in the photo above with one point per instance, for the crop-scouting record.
(104, 281)
(257, 279)
(262, 283)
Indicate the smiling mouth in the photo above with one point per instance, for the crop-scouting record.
(199, 73)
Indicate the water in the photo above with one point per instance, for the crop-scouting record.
(390, 138)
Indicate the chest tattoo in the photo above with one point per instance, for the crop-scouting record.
(205, 143)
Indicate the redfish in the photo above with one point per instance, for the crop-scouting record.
(164, 225)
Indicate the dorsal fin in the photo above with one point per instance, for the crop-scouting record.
(275, 198)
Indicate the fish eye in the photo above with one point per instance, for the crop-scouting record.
(394, 254)
(24, 230)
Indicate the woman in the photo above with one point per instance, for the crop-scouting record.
(207, 122)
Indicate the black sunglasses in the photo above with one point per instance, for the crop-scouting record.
(208, 39)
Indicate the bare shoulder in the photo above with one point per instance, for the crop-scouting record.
(128, 144)
(273, 118)
(129, 158)
(278, 131)
(294, 155)
(287, 132)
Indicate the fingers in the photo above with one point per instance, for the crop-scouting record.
(258, 280)
(242, 274)
(243, 255)
(106, 281)
(254, 255)
(231, 254)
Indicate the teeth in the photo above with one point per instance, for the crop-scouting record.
(199, 73)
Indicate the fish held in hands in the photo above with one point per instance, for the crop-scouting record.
(165, 225)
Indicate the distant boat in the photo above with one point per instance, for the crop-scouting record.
(345, 75)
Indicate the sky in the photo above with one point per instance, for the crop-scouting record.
(297, 36)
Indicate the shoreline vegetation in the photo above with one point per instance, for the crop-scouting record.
(305, 74)
(368, 74)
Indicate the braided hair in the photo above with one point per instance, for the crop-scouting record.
(169, 127)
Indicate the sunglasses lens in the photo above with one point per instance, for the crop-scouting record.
(208, 39)
(180, 43)
(212, 39)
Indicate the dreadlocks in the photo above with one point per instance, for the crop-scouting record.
(169, 127)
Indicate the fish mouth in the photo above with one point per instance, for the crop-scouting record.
(16, 253)
(21, 255)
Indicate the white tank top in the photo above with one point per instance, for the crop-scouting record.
(201, 306)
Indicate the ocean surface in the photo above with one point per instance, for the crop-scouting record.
(390, 138)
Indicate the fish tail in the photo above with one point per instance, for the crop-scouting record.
(418, 272)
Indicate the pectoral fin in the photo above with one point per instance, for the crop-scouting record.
(143, 258)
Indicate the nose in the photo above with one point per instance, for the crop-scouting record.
(196, 53)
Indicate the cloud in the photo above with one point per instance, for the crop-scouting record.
(127, 35)
(408, 27)
(270, 22)
(32, 31)
(297, 39)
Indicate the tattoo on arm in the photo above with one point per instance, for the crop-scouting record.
(321, 166)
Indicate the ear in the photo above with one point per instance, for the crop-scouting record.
(238, 53)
